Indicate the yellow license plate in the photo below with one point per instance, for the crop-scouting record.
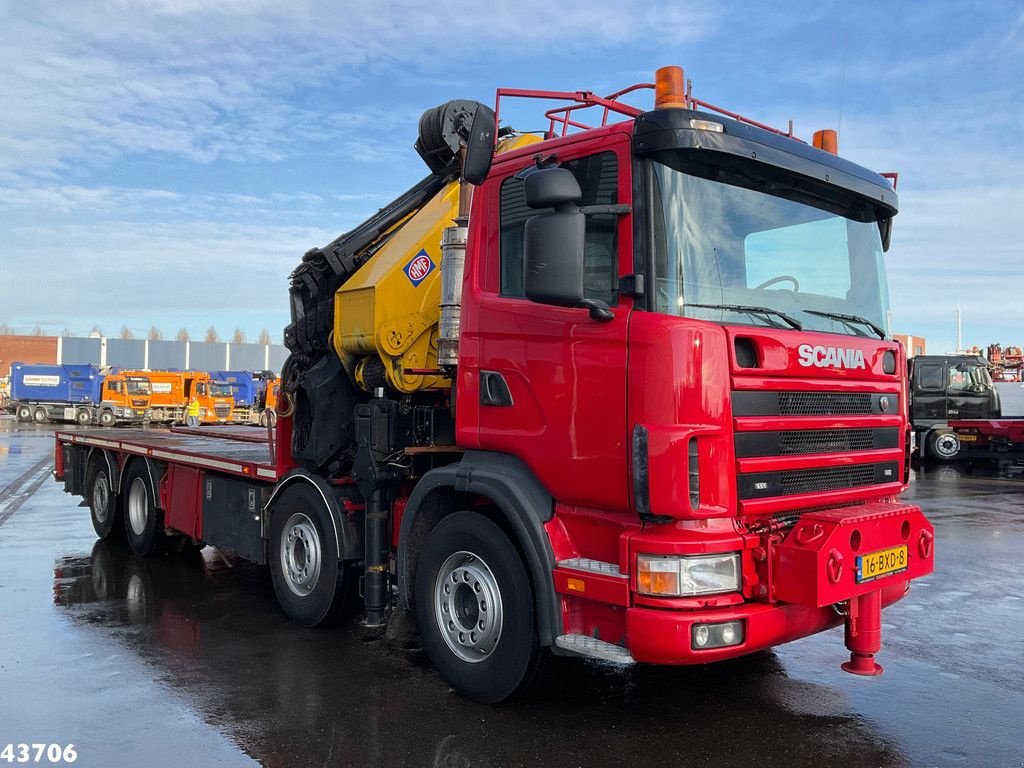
(881, 563)
(967, 438)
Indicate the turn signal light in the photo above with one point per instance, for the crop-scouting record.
(669, 88)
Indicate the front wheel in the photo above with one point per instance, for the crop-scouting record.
(943, 445)
(308, 579)
(474, 607)
(107, 418)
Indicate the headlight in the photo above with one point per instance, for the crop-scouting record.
(668, 576)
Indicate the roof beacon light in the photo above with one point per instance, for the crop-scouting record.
(706, 125)
(827, 141)
(669, 88)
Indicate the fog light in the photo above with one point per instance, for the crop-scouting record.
(707, 636)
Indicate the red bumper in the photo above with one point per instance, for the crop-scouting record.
(665, 637)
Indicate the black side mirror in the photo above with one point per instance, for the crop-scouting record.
(553, 243)
(458, 137)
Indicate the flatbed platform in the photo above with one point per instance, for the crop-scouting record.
(203, 448)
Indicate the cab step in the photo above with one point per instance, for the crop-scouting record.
(591, 647)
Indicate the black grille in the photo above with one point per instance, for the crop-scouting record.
(760, 485)
(824, 403)
(774, 403)
(222, 411)
(825, 479)
(825, 441)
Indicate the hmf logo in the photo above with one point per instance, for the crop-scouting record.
(830, 357)
(418, 268)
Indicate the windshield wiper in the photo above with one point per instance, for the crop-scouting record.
(847, 319)
(751, 309)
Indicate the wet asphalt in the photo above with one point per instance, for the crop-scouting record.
(187, 661)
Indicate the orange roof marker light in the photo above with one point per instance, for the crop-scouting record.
(827, 141)
(669, 88)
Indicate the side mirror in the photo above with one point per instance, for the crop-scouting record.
(553, 243)
(458, 136)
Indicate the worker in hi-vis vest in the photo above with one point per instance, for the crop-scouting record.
(192, 412)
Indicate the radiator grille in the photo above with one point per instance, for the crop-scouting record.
(222, 411)
(825, 479)
(825, 441)
(824, 403)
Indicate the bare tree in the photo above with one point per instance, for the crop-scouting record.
(155, 334)
(265, 337)
(126, 332)
(238, 337)
(6, 330)
(67, 332)
(96, 331)
(211, 335)
(38, 330)
(182, 335)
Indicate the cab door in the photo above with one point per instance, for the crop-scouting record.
(551, 380)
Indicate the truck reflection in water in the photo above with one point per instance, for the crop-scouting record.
(208, 627)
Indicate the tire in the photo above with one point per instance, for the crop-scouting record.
(24, 413)
(84, 416)
(309, 582)
(104, 505)
(143, 522)
(39, 415)
(943, 444)
(263, 419)
(271, 418)
(490, 594)
(107, 418)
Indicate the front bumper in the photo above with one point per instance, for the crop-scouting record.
(664, 637)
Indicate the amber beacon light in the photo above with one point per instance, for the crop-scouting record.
(669, 88)
(827, 140)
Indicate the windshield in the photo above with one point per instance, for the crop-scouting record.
(718, 243)
(220, 389)
(137, 386)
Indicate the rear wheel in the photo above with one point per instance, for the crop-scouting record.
(474, 607)
(943, 445)
(107, 418)
(24, 413)
(84, 416)
(143, 522)
(309, 582)
(39, 415)
(104, 504)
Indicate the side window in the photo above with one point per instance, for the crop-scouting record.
(115, 386)
(930, 377)
(959, 380)
(598, 178)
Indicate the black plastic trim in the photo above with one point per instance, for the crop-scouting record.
(525, 504)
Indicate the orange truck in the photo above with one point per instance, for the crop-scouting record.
(125, 399)
(172, 390)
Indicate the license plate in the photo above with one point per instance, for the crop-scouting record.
(967, 438)
(881, 563)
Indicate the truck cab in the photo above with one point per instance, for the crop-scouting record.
(946, 388)
(216, 400)
(125, 399)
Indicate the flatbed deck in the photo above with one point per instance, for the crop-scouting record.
(247, 455)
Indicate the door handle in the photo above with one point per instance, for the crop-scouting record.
(494, 390)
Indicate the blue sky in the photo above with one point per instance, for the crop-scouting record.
(167, 163)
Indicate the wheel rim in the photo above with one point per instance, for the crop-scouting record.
(947, 445)
(138, 506)
(100, 495)
(40, 415)
(301, 554)
(467, 603)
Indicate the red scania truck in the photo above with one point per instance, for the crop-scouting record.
(622, 391)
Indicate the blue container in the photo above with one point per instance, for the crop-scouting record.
(78, 384)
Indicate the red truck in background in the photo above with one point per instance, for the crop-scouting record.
(622, 392)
